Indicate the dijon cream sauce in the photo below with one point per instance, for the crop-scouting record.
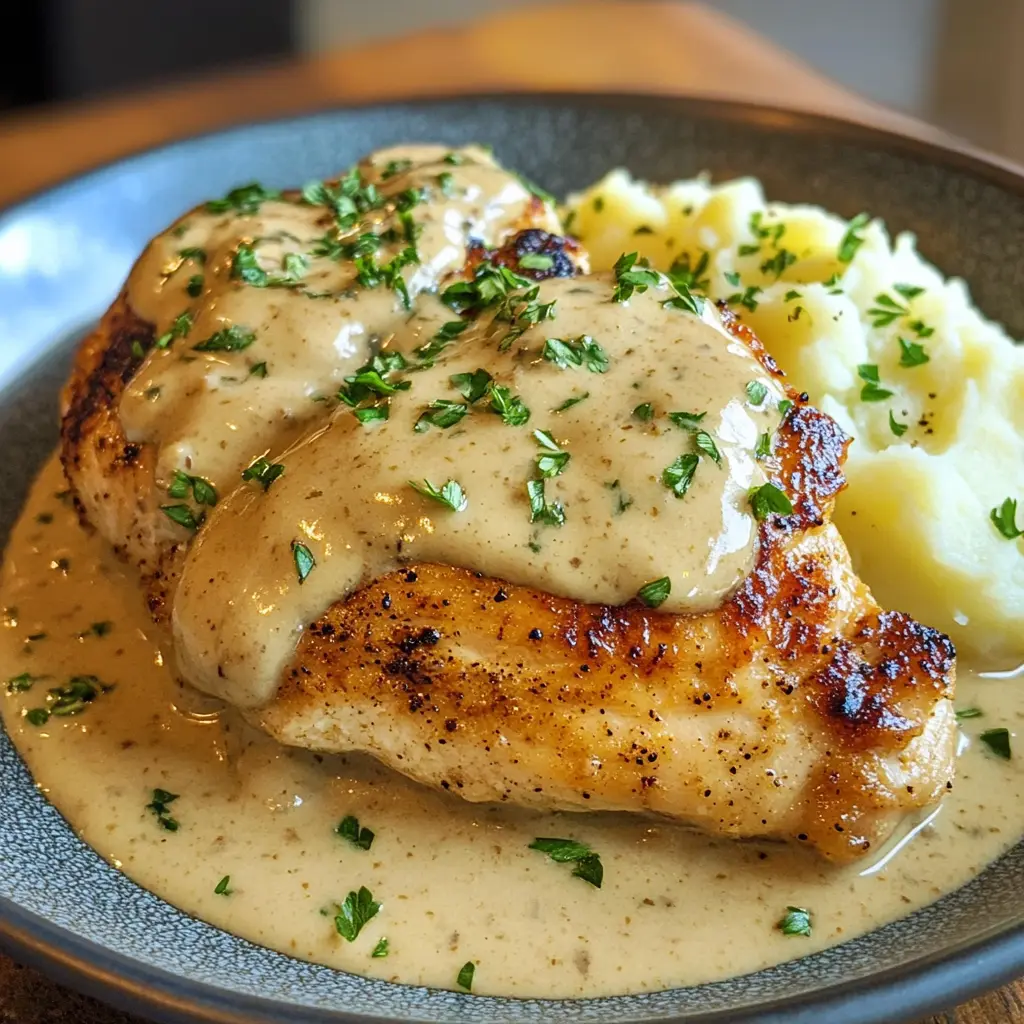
(346, 492)
(456, 881)
(213, 412)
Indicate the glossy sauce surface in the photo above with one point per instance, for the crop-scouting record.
(456, 881)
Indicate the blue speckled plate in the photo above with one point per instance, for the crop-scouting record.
(63, 256)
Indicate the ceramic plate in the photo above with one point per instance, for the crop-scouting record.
(63, 256)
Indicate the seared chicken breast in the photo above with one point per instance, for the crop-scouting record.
(559, 541)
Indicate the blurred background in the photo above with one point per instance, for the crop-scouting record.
(956, 63)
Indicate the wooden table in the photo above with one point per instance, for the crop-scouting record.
(666, 48)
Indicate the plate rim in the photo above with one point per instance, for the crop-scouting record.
(928, 984)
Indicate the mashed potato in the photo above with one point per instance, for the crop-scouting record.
(932, 392)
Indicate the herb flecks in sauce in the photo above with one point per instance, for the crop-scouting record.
(570, 851)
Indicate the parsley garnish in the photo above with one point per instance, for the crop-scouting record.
(258, 370)
(633, 274)
(473, 386)
(303, 559)
(644, 412)
(229, 339)
(569, 851)
(899, 429)
(679, 475)
(788, 297)
(552, 514)
(998, 741)
(393, 167)
(872, 391)
(159, 804)
(450, 494)
(440, 413)
(97, 629)
(510, 407)
(264, 471)
(202, 490)
(706, 444)
(490, 284)
(768, 498)
(1004, 518)
(465, 978)
(733, 278)
(921, 329)
(684, 277)
(180, 326)
(446, 183)
(195, 285)
(796, 922)
(455, 159)
(784, 406)
(355, 912)
(381, 949)
(446, 333)
(568, 352)
(747, 298)
(687, 420)
(965, 713)
(22, 683)
(552, 460)
(912, 353)
(908, 291)
(349, 829)
(245, 199)
(536, 261)
(852, 239)
(778, 263)
(757, 391)
(763, 450)
(193, 253)
(570, 402)
(182, 515)
(222, 888)
(656, 592)
(886, 311)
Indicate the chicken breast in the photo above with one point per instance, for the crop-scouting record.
(636, 602)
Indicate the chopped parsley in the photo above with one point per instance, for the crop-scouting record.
(465, 977)
(570, 402)
(656, 592)
(569, 851)
(899, 429)
(1004, 519)
(440, 413)
(679, 475)
(998, 741)
(633, 274)
(912, 353)
(442, 338)
(446, 183)
(510, 407)
(852, 238)
(258, 370)
(455, 159)
(763, 450)
(551, 514)
(872, 391)
(194, 287)
(569, 352)
(644, 412)
(229, 339)
(22, 683)
(706, 444)
(393, 167)
(788, 297)
(223, 887)
(381, 949)
(796, 922)
(886, 311)
(784, 406)
(536, 261)
(182, 515)
(97, 629)
(472, 386)
(732, 277)
(921, 329)
(350, 829)
(685, 277)
(757, 392)
(965, 713)
(245, 199)
(768, 498)
(303, 559)
(263, 471)
(687, 420)
(777, 264)
(159, 805)
(908, 291)
(202, 490)
(552, 460)
(490, 285)
(180, 326)
(450, 494)
(747, 298)
(358, 909)
(193, 253)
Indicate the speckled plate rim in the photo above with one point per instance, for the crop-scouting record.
(909, 990)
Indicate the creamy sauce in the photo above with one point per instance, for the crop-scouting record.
(346, 491)
(212, 412)
(456, 881)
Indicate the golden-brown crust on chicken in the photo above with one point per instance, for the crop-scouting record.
(796, 710)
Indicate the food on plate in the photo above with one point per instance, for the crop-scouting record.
(519, 502)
